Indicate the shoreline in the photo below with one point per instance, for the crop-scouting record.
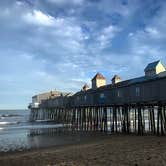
(109, 150)
(67, 137)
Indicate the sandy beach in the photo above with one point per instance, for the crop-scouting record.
(111, 150)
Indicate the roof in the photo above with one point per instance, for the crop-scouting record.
(127, 82)
(85, 86)
(144, 78)
(50, 93)
(152, 65)
(116, 77)
(98, 76)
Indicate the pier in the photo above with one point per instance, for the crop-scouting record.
(135, 106)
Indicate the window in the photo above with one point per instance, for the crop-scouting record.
(85, 97)
(119, 93)
(137, 91)
(102, 95)
(102, 98)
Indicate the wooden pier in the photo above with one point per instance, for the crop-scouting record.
(137, 118)
(132, 106)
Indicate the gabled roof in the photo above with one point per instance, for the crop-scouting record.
(152, 65)
(85, 87)
(116, 77)
(98, 76)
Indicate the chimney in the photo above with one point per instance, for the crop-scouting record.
(98, 81)
(116, 79)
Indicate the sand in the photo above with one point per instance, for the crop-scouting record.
(111, 150)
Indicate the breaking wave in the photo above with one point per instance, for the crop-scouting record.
(9, 115)
(8, 123)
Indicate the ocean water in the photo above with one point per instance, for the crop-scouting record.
(18, 134)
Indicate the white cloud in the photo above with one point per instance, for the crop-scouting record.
(37, 17)
(153, 32)
(106, 35)
(64, 2)
(19, 3)
(62, 43)
(106, 7)
(130, 34)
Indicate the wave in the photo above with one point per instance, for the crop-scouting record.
(30, 127)
(44, 120)
(2, 117)
(8, 123)
(9, 115)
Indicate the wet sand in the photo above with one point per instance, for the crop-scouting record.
(109, 150)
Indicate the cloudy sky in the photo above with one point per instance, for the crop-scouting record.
(61, 44)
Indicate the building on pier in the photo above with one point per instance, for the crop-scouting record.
(148, 88)
(134, 105)
(38, 99)
(62, 100)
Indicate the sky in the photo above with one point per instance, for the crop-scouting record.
(62, 44)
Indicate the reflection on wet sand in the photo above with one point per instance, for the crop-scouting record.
(35, 138)
(38, 138)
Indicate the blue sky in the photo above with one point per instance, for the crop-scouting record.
(61, 44)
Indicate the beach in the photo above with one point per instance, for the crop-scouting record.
(108, 150)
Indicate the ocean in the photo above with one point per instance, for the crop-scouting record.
(17, 133)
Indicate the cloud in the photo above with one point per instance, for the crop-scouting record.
(39, 18)
(153, 32)
(66, 2)
(106, 35)
(61, 44)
